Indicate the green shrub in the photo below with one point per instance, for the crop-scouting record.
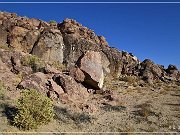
(34, 62)
(59, 66)
(34, 109)
(52, 21)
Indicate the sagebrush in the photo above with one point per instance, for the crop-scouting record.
(34, 109)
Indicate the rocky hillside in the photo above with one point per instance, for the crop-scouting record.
(70, 63)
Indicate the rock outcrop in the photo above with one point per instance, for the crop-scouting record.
(69, 26)
(150, 71)
(172, 70)
(87, 57)
(65, 42)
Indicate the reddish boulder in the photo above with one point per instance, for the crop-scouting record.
(91, 65)
(35, 81)
(75, 93)
(77, 74)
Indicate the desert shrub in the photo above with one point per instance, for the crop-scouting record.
(52, 21)
(2, 90)
(34, 109)
(59, 66)
(34, 62)
(66, 115)
(145, 110)
(118, 108)
(129, 79)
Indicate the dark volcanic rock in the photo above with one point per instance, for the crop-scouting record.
(49, 46)
(75, 47)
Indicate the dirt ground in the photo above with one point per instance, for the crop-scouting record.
(141, 109)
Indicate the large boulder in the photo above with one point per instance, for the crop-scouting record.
(79, 39)
(35, 81)
(91, 65)
(74, 47)
(50, 46)
(42, 83)
(74, 93)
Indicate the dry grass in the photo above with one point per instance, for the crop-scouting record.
(113, 108)
(133, 80)
(68, 116)
(59, 66)
(144, 110)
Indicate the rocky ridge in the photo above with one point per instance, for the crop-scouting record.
(69, 62)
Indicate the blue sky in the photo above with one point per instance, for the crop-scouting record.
(147, 30)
